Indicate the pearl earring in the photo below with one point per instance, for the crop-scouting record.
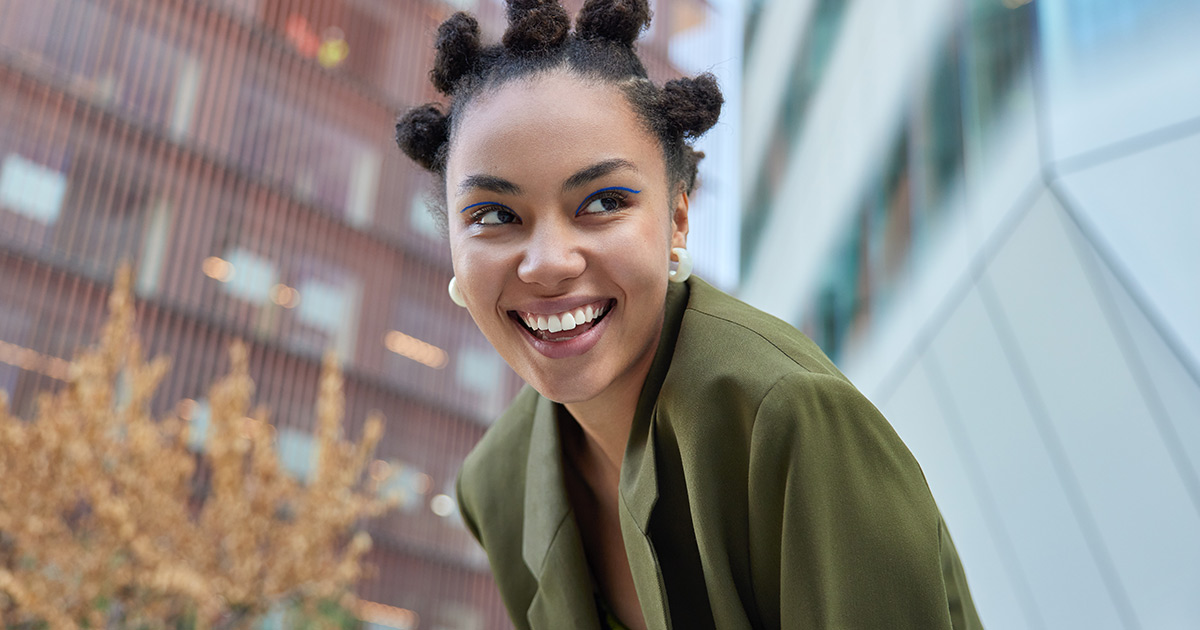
(455, 294)
(683, 270)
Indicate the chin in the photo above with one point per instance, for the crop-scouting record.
(561, 392)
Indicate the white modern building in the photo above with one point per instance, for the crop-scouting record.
(988, 212)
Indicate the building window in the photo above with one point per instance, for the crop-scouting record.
(30, 189)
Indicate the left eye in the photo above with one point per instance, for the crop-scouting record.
(600, 205)
(497, 215)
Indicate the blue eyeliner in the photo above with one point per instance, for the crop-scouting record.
(485, 203)
(596, 192)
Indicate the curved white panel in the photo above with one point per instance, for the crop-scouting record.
(1145, 210)
(1030, 499)
(1140, 507)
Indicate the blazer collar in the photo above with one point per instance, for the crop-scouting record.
(639, 469)
(551, 547)
(551, 544)
(546, 505)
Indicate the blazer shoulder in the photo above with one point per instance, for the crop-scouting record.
(491, 497)
(821, 403)
(723, 340)
(491, 482)
(495, 461)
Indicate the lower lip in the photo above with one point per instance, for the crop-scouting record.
(572, 347)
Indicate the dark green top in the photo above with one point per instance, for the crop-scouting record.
(759, 489)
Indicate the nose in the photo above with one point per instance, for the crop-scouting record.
(552, 255)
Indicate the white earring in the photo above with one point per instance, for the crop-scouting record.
(455, 294)
(683, 270)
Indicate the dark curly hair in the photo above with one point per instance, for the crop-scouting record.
(539, 39)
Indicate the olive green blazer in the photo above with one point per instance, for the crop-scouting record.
(759, 489)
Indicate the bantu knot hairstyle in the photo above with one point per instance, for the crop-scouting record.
(536, 26)
(538, 39)
(457, 51)
(690, 107)
(422, 133)
(621, 21)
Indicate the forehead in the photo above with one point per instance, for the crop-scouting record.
(549, 125)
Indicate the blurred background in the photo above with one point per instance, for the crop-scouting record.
(985, 211)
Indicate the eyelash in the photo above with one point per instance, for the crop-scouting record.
(488, 208)
(619, 193)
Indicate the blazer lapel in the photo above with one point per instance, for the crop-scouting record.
(639, 469)
(552, 548)
(639, 493)
(639, 473)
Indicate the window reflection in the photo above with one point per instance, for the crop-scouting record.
(319, 162)
(808, 68)
(30, 189)
(980, 77)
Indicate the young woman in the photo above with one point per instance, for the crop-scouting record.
(678, 459)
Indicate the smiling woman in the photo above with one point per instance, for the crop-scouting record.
(564, 206)
(678, 458)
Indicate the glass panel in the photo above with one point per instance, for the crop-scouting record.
(1176, 385)
(1144, 519)
(30, 189)
(1115, 69)
(1144, 209)
(1051, 562)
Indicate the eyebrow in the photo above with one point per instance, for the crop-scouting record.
(581, 177)
(596, 171)
(489, 183)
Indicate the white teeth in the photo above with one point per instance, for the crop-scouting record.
(568, 320)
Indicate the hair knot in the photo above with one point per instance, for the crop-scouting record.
(458, 50)
(690, 107)
(422, 133)
(621, 21)
(535, 26)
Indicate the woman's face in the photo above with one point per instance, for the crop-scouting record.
(561, 226)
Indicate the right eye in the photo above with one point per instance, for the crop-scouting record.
(494, 215)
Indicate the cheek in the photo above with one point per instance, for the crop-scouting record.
(639, 260)
(482, 270)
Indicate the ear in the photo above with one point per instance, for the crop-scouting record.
(679, 219)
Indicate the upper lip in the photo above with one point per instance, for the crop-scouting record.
(558, 305)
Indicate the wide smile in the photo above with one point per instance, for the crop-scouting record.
(566, 333)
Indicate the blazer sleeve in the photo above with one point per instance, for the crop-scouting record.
(843, 530)
(464, 510)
